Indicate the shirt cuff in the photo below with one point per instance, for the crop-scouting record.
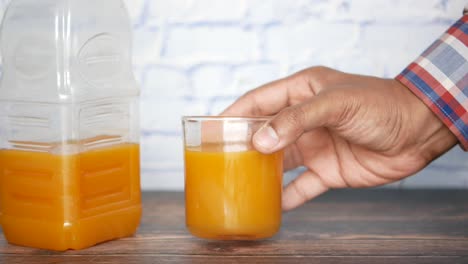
(439, 77)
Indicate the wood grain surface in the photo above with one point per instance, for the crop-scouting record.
(345, 226)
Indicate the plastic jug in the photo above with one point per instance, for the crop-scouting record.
(69, 128)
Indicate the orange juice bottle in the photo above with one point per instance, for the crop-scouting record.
(232, 191)
(69, 200)
(69, 135)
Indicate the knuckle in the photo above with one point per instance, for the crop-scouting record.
(344, 107)
(295, 117)
(301, 192)
(315, 71)
(318, 76)
(321, 69)
(250, 98)
(248, 95)
(289, 123)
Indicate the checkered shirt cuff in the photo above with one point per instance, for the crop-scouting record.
(439, 77)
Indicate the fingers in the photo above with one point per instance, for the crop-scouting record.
(263, 101)
(287, 126)
(270, 98)
(305, 187)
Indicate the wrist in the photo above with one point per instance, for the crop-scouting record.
(432, 137)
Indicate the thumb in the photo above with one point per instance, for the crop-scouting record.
(288, 125)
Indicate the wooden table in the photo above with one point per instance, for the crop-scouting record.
(346, 226)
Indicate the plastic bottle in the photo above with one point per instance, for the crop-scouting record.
(69, 128)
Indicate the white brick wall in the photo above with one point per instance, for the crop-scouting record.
(197, 56)
(197, 43)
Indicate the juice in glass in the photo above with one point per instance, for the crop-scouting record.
(232, 192)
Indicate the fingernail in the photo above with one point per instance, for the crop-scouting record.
(266, 137)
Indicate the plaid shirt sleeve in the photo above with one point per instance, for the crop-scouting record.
(439, 77)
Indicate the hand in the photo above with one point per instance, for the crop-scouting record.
(347, 130)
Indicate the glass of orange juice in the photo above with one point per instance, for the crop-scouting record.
(232, 191)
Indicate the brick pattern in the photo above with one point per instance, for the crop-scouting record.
(197, 57)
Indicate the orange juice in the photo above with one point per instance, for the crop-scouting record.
(232, 195)
(72, 201)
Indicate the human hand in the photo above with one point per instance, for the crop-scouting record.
(347, 130)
